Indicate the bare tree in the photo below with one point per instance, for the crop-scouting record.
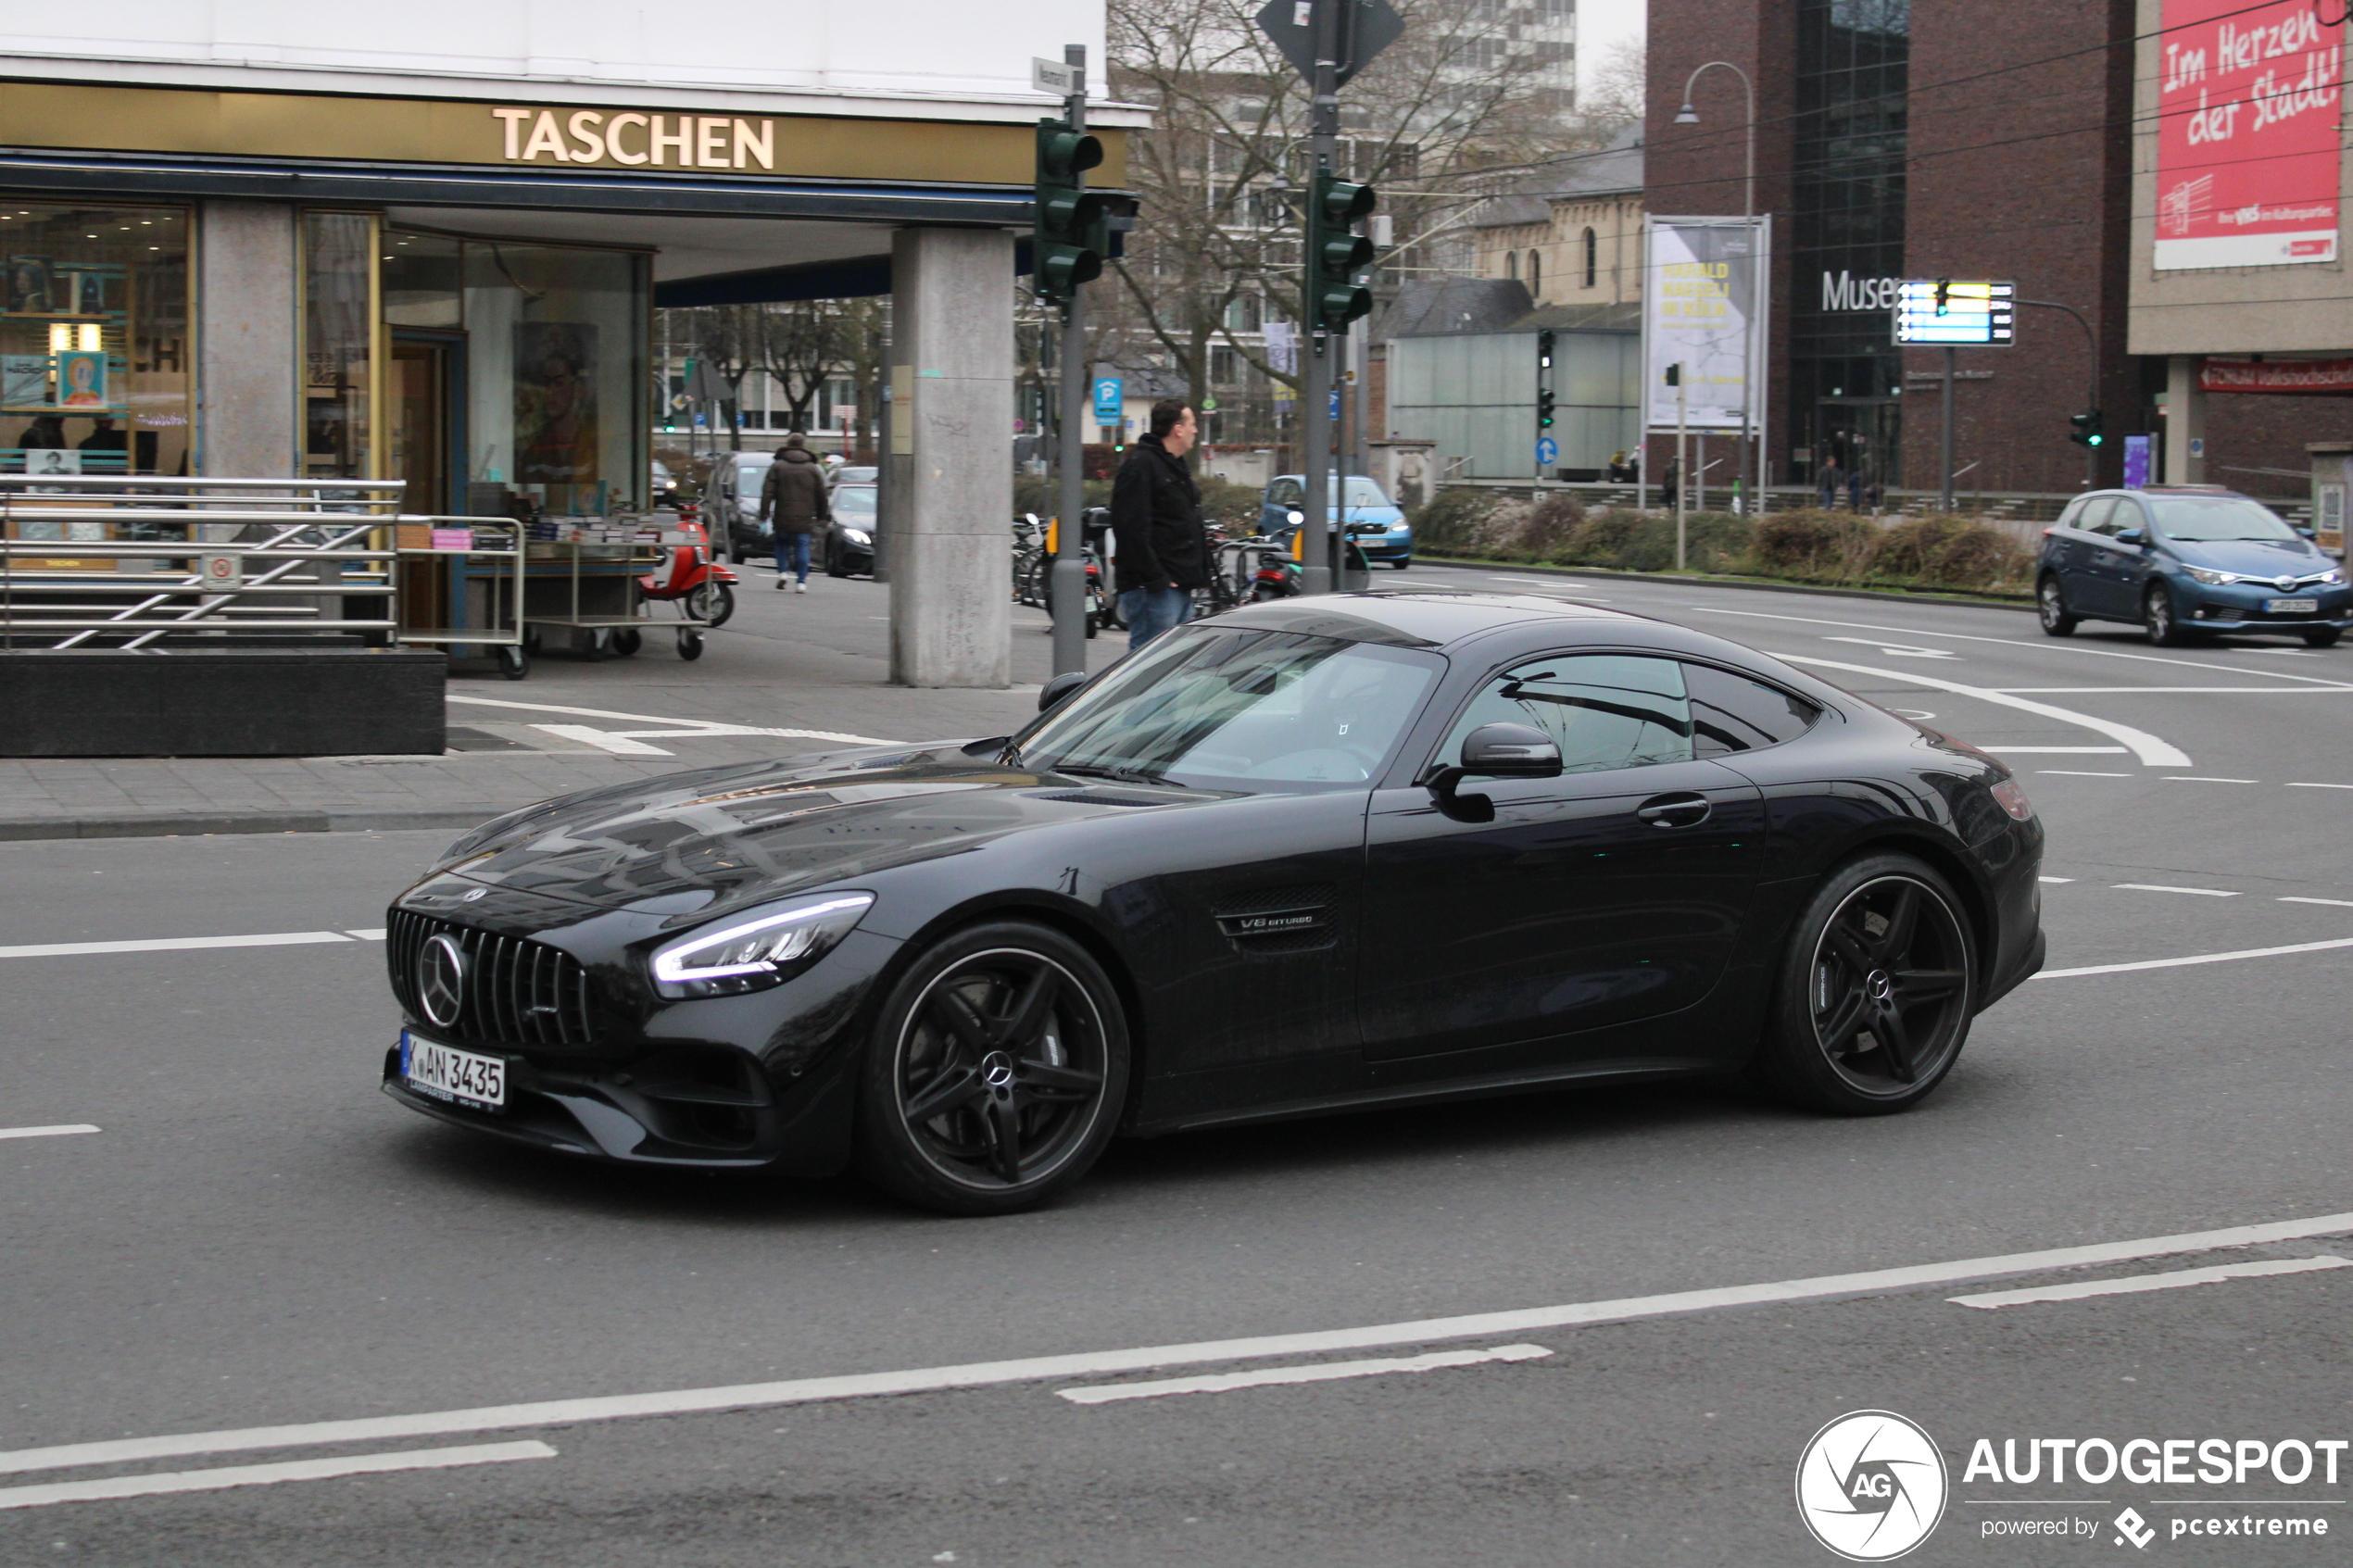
(801, 345)
(1613, 95)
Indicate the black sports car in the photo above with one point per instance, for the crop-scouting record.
(1305, 856)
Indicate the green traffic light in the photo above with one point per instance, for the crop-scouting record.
(1071, 229)
(1334, 256)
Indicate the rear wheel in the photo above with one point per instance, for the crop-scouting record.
(689, 642)
(995, 1074)
(627, 641)
(2050, 606)
(513, 663)
(2321, 636)
(1875, 992)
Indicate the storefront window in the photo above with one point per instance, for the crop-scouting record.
(338, 344)
(556, 347)
(93, 340)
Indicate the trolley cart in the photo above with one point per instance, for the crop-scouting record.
(590, 592)
(485, 550)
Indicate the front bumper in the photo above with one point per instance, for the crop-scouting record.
(2241, 604)
(1389, 546)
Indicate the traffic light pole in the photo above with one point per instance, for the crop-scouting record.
(1067, 578)
(1945, 439)
(1319, 567)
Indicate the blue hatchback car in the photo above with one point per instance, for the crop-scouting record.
(2187, 559)
(1373, 519)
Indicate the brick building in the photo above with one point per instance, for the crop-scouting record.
(1932, 138)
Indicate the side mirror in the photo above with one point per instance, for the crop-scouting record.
(2132, 536)
(1061, 689)
(2307, 533)
(1493, 751)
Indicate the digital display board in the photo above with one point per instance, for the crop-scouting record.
(1955, 314)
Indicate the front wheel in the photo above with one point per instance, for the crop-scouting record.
(2321, 636)
(995, 1074)
(2050, 608)
(689, 642)
(1402, 562)
(1875, 992)
(2160, 624)
(513, 663)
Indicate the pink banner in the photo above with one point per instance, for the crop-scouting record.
(2246, 144)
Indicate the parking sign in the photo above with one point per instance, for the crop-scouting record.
(1107, 400)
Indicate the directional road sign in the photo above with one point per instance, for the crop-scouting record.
(1547, 452)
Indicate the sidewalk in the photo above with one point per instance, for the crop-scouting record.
(790, 673)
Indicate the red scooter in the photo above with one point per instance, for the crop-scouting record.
(704, 588)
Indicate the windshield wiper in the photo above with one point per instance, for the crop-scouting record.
(1103, 771)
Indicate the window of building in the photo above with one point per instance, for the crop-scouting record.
(1222, 366)
(1535, 275)
(339, 310)
(1510, 264)
(93, 341)
(1592, 258)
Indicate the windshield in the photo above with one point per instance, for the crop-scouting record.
(2207, 520)
(854, 501)
(854, 476)
(1364, 493)
(1270, 712)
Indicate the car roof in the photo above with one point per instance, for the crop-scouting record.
(1430, 618)
(1302, 477)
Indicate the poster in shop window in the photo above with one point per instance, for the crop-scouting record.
(555, 403)
(2248, 100)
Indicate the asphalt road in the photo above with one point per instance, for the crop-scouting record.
(256, 1237)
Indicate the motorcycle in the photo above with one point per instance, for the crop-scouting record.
(689, 578)
(1279, 570)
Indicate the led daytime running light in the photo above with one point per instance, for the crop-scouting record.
(759, 947)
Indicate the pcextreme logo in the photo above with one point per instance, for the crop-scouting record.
(1871, 1486)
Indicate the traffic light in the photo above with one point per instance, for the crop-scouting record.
(1073, 229)
(1544, 399)
(2088, 429)
(1675, 374)
(1335, 256)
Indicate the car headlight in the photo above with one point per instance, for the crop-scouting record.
(754, 954)
(2332, 579)
(2212, 578)
(857, 536)
(2011, 796)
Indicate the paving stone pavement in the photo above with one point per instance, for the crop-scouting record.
(816, 663)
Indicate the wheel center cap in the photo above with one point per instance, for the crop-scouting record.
(996, 1069)
(1878, 985)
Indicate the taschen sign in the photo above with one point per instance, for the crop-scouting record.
(2248, 106)
(2331, 377)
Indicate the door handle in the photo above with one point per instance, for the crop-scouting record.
(1675, 810)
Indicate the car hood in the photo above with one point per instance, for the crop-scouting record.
(2253, 557)
(703, 841)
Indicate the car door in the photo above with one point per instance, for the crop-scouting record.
(2127, 566)
(2075, 538)
(1612, 894)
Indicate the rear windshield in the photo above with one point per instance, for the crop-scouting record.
(2205, 520)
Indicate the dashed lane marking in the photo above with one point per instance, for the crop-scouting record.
(2161, 888)
(2194, 778)
(2332, 903)
(2055, 879)
(1096, 1364)
(1314, 1372)
(2053, 750)
(2079, 773)
(64, 1129)
(176, 944)
(2135, 1284)
(269, 1474)
(2301, 786)
(2195, 958)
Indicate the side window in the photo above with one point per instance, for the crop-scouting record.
(2099, 515)
(1606, 711)
(1733, 713)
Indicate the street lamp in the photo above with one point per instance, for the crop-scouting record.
(1689, 115)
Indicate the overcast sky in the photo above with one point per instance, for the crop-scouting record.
(1601, 23)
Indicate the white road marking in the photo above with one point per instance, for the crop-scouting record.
(2183, 691)
(2080, 773)
(2136, 1284)
(370, 933)
(269, 1474)
(2296, 785)
(1097, 1364)
(1896, 650)
(2193, 778)
(676, 725)
(63, 1129)
(2015, 643)
(1319, 1372)
(2054, 750)
(2332, 903)
(173, 944)
(2195, 958)
(2055, 879)
(2146, 747)
(2160, 887)
(604, 740)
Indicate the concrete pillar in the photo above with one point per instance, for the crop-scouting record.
(247, 417)
(952, 491)
(2184, 421)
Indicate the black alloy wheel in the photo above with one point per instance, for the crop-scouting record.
(2050, 608)
(996, 1072)
(1876, 991)
(835, 565)
(2160, 622)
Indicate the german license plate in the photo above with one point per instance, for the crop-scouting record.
(2290, 607)
(448, 1073)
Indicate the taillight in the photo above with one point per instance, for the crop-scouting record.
(2011, 796)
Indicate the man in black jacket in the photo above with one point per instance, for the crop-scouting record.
(1162, 549)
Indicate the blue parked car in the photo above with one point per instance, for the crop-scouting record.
(2184, 560)
(1372, 519)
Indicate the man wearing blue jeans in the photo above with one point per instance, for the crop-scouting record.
(1161, 550)
(794, 497)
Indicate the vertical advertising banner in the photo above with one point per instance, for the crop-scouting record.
(1703, 309)
(2246, 142)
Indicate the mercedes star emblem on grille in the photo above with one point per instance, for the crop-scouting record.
(441, 979)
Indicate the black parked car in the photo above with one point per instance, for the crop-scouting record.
(848, 547)
(2186, 560)
(1307, 855)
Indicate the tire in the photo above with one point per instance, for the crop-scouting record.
(513, 662)
(834, 565)
(1842, 982)
(1402, 562)
(689, 644)
(2160, 624)
(596, 644)
(2321, 636)
(627, 641)
(1023, 1108)
(2050, 608)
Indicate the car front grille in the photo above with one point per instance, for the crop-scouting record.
(516, 991)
